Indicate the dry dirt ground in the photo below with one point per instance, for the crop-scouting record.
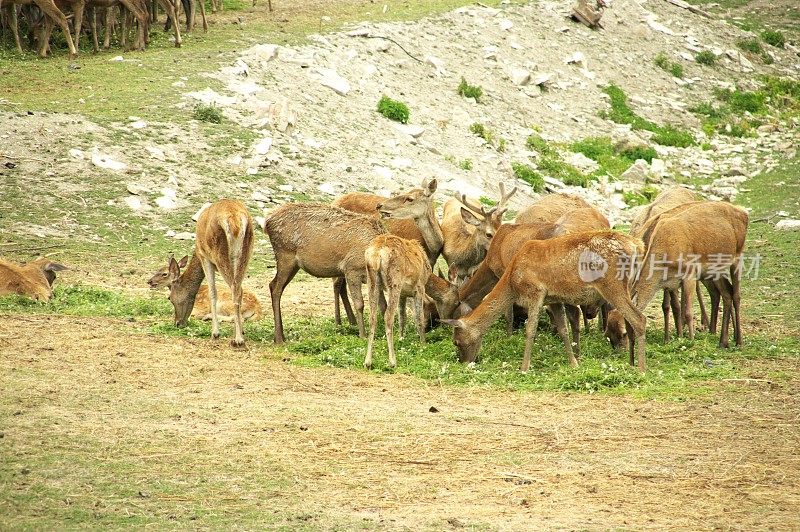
(166, 429)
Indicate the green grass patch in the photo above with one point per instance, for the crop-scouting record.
(750, 45)
(466, 164)
(393, 109)
(207, 113)
(774, 38)
(536, 143)
(83, 300)
(469, 91)
(661, 61)
(706, 57)
(529, 175)
(551, 162)
(613, 160)
(641, 197)
(621, 113)
(489, 136)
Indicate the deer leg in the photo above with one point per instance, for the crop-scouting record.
(530, 328)
(210, 270)
(51, 11)
(373, 288)
(561, 326)
(77, 20)
(109, 27)
(12, 11)
(340, 288)
(713, 292)
(665, 303)
(585, 321)
(726, 291)
(603, 316)
(354, 285)
(202, 4)
(169, 7)
(388, 320)
(677, 314)
(573, 314)
(123, 38)
(701, 302)
(44, 36)
(736, 281)
(93, 27)
(337, 312)
(285, 269)
(401, 315)
(687, 312)
(419, 312)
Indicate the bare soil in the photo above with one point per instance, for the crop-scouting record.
(355, 445)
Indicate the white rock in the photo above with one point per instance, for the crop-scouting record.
(383, 172)
(331, 79)
(258, 195)
(210, 96)
(726, 193)
(169, 192)
(166, 202)
(133, 202)
(331, 189)
(358, 32)
(282, 115)
(263, 52)
(263, 146)
(235, 160)
(135, 189)
(657, 26)
(178, 84)
(552, 183)
(286, 188)
(155, 153)
(185, 235)
(76, 153)
(658, 167)
(414, 131)
(261, 221)
(205, 206)
(637, 172)
(583, 163)
(543, 80)
(788, 225)
(383, 46)
(400, 162)
(172, 180)
(101, 160)
(251, 171)
(520, 76)
(437, 64)
(505, 24)
(117, 58)
(575, 58)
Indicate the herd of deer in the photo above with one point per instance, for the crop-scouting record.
(111, 16)
(495, 268)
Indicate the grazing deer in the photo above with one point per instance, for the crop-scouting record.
(324, 241)
(410, 215)
(225, 243)
(34, 279)
(702, 240)
(468, 229)
(401, 268)
(251, 306)
(578, 269)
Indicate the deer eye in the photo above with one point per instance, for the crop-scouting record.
(164, 274)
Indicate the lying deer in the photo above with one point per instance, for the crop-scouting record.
(324, 241)
(579, 269)
(713, 235)
(549, 208)
(34, 279)
(468, 229)
(251, 306)
(225, 243)
(399, 267)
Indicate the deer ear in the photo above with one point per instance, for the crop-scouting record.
(453, 323)
(174, 268)
(463, 309)
(469, 217)
(430, 186)
(184, 260)
(54, 267)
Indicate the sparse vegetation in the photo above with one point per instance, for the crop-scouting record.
(774, 38)
(621, 113)
(488, 135)
(661, 61)
(706, 57)
(393, 109)
(642, 197)
(469, 91)
(613, 160)
(551, 163)
(529, 175)
(750, 45)
(466, 164)
(207, 113)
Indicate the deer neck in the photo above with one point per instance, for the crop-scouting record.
(193, 276)
(431, 231)
(494, 305)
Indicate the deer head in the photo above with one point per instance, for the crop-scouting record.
(468, 342)
(484, 228)
(412, 204)
(182, 293)
(161, 278)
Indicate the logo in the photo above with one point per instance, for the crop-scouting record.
(591, 266)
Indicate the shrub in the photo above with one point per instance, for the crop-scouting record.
(639, 152)
(750, 45)
(672, 136)
(706, 146)
(538, 144)
(740, 101)
(676, 69)
(555, 167)
(469, 91)
(501, 145)
(661, 61)
(773, 38)
(622, 114)
(602, 151)
(466, 164)
(393, 109)
(207, 113)
(706, 57)
(529, 175)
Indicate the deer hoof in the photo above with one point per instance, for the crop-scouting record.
(237, 344)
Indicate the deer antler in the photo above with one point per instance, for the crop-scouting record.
(475, 207)
(505, 197)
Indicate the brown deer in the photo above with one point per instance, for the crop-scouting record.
(225, 243)
(578, 269)
(550, 208)
(468, 229)
(34, 279)
(711, 234)
(399, 267)
(410, 215)
(251, 306)
(324, 241)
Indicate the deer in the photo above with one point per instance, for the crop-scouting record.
(224, 242)
(468, 229)
(410, 215)
(34, 279)
(549, 208)
(52, 14)
(713, 234)
(324, 241)
(577, 269)
(401, 268)
(251, 306)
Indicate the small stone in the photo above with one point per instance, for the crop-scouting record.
(259, 195)
(414, 131)
(155, 153)
(185, 235)
(76, 153)
(263, 52)
(520, 76)
(102, 160)
(637, 172)
(117, 58)
(135, 189)
(286, 188)
(576, 58)
(139, 124)
(505, 24)
(263, 146)
(166, 202)
(331, 79)
(437, 64)
(134, 203)
(583, 163)
(788, 225)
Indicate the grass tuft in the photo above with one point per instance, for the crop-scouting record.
(393, 109)
(706, 57)
(469, 91)
(207, 113)
(529, 175)
(774, 38)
